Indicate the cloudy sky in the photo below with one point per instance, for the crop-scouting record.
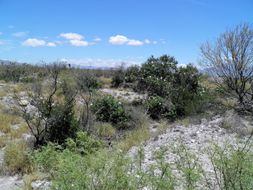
(107, 32)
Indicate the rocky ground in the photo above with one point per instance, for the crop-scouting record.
(124, 94)
(197, 139)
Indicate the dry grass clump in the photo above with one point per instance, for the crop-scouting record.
(17, 159)
(106, 82)
(104, 130)
(7, 120)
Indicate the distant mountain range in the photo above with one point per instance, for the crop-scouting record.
(72, 65)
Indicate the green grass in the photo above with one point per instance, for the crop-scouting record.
(134, 138)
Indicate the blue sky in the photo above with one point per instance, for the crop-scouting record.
(106, 32)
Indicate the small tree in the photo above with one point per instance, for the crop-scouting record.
(230, 61)
(49, 119)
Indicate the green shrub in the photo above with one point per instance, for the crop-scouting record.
(108, 109)
(185, 92)
(118, 77)
(17, 158)
(46, 158)
(233, 166)
(107, 171)
(159, 107)
(63, 123)
(132, 73)
(83, 144)
(179, 86)
(156, 75)
(87, 81)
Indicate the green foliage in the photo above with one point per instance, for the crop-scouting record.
(233, 167)
(17, 72)
(63, 123)
(172, 91)
(118, 77)
(108, 109)
(46, 158)
(83, 144)
(12, 71)
(156, 75)
(159, 107)
(87, 81)
(104, 170)
(187, 163)
(185, 91)
(132, 73)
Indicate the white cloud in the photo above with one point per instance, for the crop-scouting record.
(33, 42)
(51, 44)
(75, 39)
(118, 40)
(79, 43)
(123, 40)
(155, 42)
(71, 36)
(135, 43)
(20, 34)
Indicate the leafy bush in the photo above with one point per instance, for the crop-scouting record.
(118, 77)
(83, 144)
(156, 75)
(17, 158)
(233, 166)
(46, 158)
(63, 123)
(132, 73)
(86, 81)
(172, 91)
(185, 92)
(108, 109)
(159, 107)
